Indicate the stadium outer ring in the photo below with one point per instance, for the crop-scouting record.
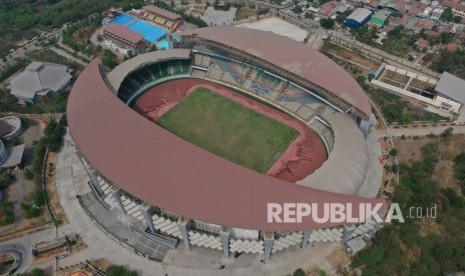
(139, 157)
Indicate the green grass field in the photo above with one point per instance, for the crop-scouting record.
(229, 130)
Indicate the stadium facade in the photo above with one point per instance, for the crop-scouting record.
(178, 190)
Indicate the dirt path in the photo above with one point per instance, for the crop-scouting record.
(51, 188)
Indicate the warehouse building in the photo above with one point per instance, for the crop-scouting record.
(358, 18)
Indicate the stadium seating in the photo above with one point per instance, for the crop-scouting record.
(263, 84)
(139, 79)
(324, 132)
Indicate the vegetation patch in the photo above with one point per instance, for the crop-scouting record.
(398, 110)
(423, 246)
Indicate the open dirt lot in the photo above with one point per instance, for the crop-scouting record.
(410, 151)
(278, 26)
(246, 12)
(352, 56)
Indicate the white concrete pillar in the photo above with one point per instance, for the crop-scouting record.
(268, 239)
(183, 225)
(145, 210)
(305, 238)
(225, 234)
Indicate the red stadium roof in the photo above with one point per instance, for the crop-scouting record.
(166, 171)
(292, 56)
(124, 33)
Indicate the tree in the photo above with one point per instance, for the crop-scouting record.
(28, 174)
(297, 9)
(109, 59)
(34, 272)
(38, 272)
(119, 270)
(38, 196)
(6, 212)
(29, 211)
(327, 23)
(393, 152)
(299, 272)
(446, 134)
(6, 180)
(447, 15)
(445, 38)
(457, 19)
(342, 16)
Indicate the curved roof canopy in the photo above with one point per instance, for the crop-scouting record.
(166, 171)
(292, 56)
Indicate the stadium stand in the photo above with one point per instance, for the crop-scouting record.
(144, 78)
(261, 83)
(161, 17)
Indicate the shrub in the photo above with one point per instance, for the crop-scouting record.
(28, 174)
(38, 196)
(6, 180)
(29, 211)
(119, 270)
(299, 272)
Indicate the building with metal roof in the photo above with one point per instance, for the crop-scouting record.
(39, 79)
(452, 88)
(125, 38)
(379, 17)
(358, 18)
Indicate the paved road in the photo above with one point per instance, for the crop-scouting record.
(31, 45)
(20, 253)
(24, 245)
(422, 131)
(71, 180)
(67, 55)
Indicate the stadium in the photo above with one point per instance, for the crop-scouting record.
(194, 142)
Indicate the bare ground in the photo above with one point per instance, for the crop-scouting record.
(246, 12)
(50, 186)
(353, 56)
(410, 148)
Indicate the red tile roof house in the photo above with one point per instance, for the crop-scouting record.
(451, 47)
(327, 9)
(423, 25)
(416, 9)
(422, 43)
(433, 33)
(404, 21)
(447, 28)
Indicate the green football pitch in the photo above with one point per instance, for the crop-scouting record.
(229, 129)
